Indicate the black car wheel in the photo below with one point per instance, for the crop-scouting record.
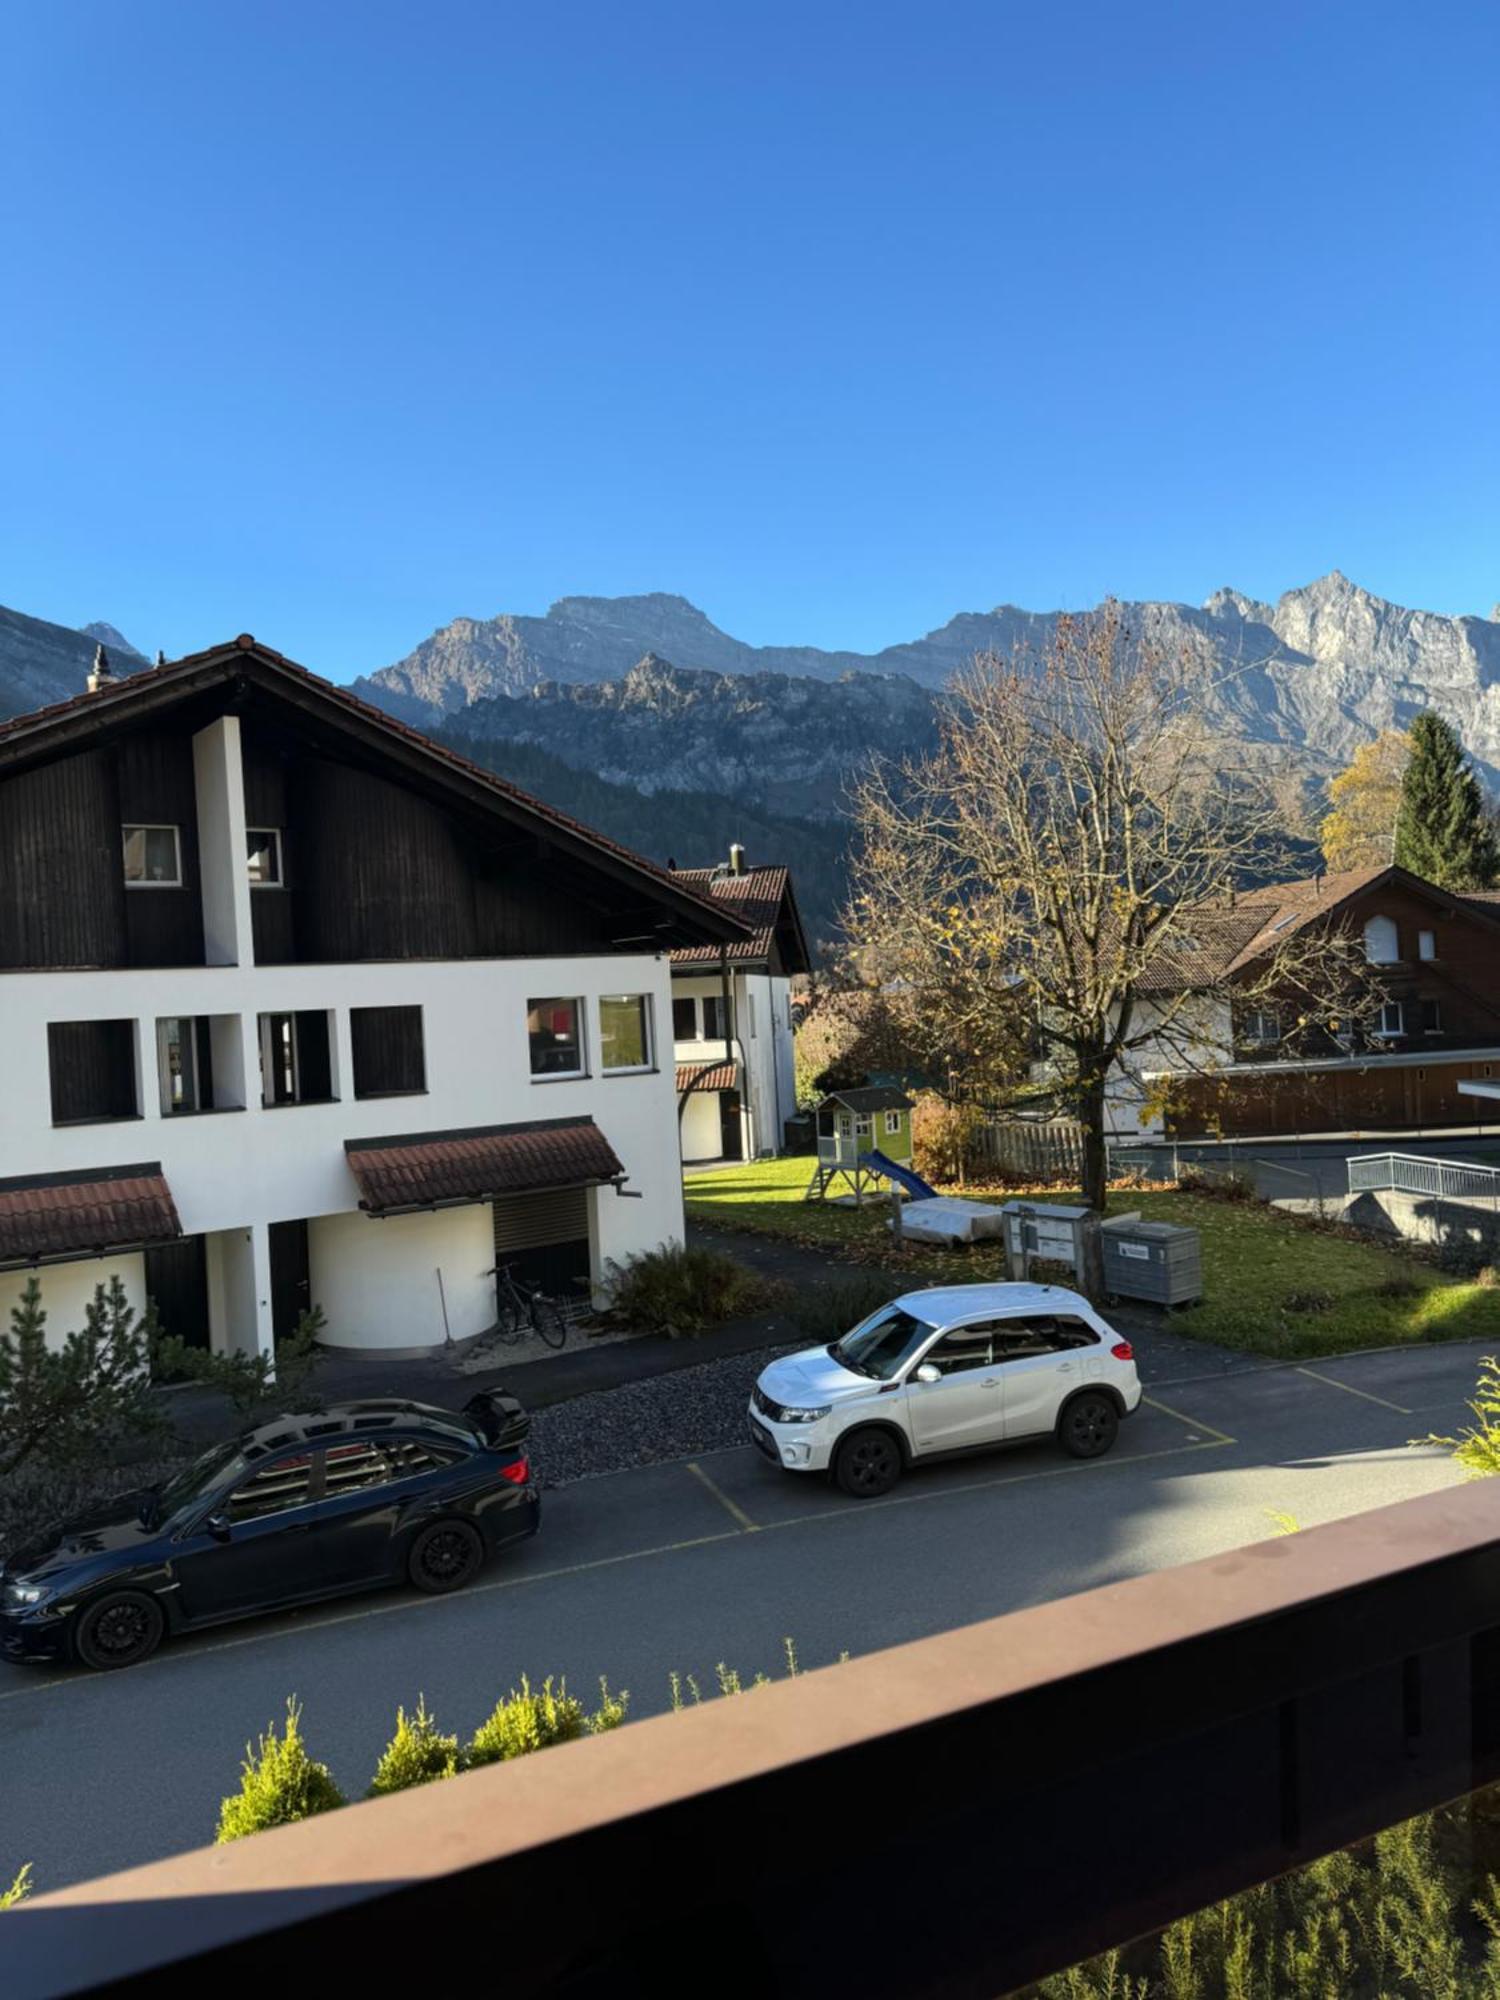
(868, 1464)
(119, 1630)
(1089, 1425)
(444, 1556)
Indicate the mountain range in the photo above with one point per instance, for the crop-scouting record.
(641, 714)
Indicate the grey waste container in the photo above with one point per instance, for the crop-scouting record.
(1158, 1261)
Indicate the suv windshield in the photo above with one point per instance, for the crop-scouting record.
(881, 1345)
(215, 1467)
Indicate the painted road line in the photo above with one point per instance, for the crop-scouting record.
(1194, 1424)
(1349, 1390)
(174, 1656)
(731, 1507)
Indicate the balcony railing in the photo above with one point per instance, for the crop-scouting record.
(1412, 1173)
(954, 1817)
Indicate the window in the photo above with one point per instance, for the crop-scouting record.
(713, 1017)
(91, 1066)
(1260, 1026)
(554, 1029)
(1382, 946)
(153, 857)
(1045, 1333)
(892, 1124)
(1426, 944)
(275, 1489)
(864, 1125)
(184, 1064)
(685, 1020)
(389, 1056)
(1392, 1019)
(263, 856)
(625, 1031)
(296, 1065)
(1432, 1017)
(958, 1351)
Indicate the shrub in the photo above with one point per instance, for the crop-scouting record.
(1462, 1257)
(943, 1136)
(530, 1719)
(1477, 1446)
(1219, 1183)
(830, 1310)
(250, 1381)
(415, 1755)
(279, 1783)
(683, 1289)
(1312, 1300)
(1397, 1288)
(18, 1891)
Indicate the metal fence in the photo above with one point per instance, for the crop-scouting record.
(1410, 1173)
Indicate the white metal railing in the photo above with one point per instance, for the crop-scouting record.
(1411, 1173)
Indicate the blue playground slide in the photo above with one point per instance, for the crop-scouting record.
(914, 1184)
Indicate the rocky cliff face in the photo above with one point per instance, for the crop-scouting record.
(1309, 677)
(790, 743)
(41, 663)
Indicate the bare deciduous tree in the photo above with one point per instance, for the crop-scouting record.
(1056, 885)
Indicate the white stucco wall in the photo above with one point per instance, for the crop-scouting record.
(1198, 1037)
(702, 1134)
(68, 1289)
(377, 1280)
(763, 1044)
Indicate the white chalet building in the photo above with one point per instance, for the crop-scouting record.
(732, 1016)
(300, 1009)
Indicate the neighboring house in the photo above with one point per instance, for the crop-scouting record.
(732, 1016)
(1437, 955)
(302, 1009)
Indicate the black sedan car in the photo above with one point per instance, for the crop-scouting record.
(305, 1507)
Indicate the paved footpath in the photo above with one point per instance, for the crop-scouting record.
(683, 1565)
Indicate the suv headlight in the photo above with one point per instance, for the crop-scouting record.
(804, 1416)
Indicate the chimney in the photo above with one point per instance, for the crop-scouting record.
(161, 658)
(101, 674)
(736, 858)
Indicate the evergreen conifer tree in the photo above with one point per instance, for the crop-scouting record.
(1443, 833)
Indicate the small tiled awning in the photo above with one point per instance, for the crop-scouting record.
(82, 1214)
(705, 1076)
(438, 1169)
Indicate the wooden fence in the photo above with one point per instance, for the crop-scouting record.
(1034, 1149)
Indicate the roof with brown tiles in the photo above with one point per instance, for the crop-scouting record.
(706, 1076)
(425, 1169)
(120, 697)
(760, 897)
(71, 1215)
(1214, 942)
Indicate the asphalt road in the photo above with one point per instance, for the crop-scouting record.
(682, 1566)
(1310, 1169)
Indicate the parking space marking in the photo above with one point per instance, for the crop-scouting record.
(1193, 1423)
(1349, 1390)
(731, 1507)
(173, 1656)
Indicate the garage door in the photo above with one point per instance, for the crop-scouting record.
(545, 1240)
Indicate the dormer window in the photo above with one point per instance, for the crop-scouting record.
(153, 857)
(263, 856)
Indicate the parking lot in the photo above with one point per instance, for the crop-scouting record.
(681, 1566)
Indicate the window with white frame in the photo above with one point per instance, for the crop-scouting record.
(625, 1032)
(892, 1124)
(1392, 1019)
(1260, 1026)
(864, 1125)
(153, 857)
(1382, 945)
(263, 856)
(554, 1030)
(184, 1073)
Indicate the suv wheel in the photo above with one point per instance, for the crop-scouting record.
(119, 1630)
(444, 1556)
(868, 1464)
(1088, 1425)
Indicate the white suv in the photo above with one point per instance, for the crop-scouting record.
(949, 1370)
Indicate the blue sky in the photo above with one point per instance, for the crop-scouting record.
(335, 321)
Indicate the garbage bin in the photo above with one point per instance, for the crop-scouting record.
(1161, 1262)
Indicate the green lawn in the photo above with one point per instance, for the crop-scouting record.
(1255, 1260)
